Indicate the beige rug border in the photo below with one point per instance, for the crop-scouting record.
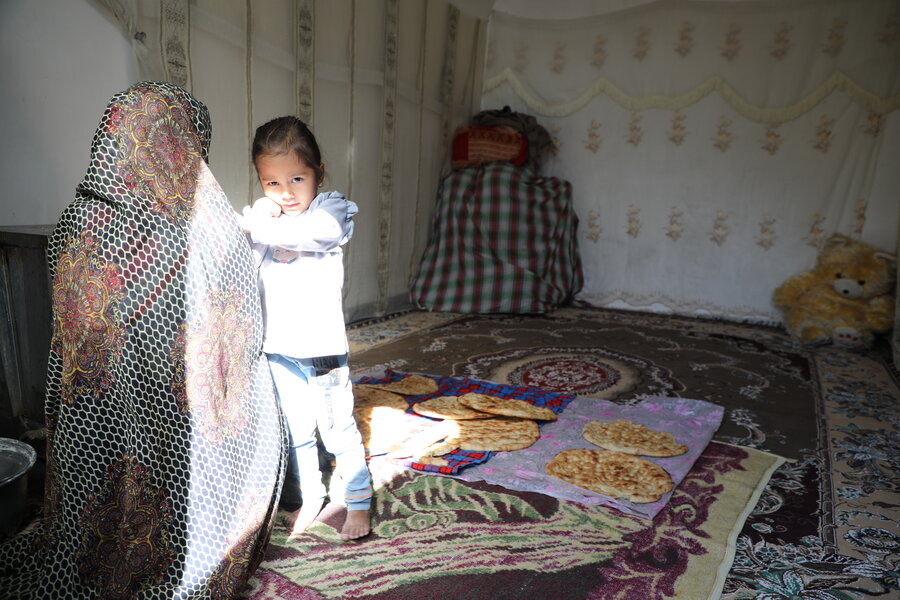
(738, 525)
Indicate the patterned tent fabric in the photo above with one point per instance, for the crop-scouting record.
(712, 146)
(503, 241)
(165, 447)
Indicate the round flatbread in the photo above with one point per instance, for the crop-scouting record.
(432, 460)
(378, 428)
(367, 397)
(378, 415)
(437, 449)
(632, 438)
(612, 473)
(493, 435)
(411, 385)
(508, 407)
(448, 407)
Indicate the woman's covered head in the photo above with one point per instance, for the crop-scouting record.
(151, 144)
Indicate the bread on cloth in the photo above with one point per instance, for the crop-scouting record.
(498, 434)
(366, 397)
(448, 407)
(508, 407)
(611, 473)
(411, 385)
(632, 438)
(379, 418)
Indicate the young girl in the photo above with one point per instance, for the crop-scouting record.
(299, 233)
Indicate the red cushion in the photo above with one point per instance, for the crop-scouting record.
(475, 145)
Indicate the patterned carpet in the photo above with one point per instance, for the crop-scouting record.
(821, 526)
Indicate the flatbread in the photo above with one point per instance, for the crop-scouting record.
(411, 385)
(508, 407)
(380, 429)
(368, 397)
(379, 418)
(426, 442)
(632, 438)
(611, 473)
(496, 434)
(438, 449)
(500, 434)
(432, 460)
(448, 407)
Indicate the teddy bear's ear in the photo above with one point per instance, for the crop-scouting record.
(891, 258)
(836, 240)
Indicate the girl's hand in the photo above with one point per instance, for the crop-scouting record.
(264, 207)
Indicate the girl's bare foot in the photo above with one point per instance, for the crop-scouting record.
(303, 517)
(356, 525)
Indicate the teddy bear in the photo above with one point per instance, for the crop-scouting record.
(845, 299)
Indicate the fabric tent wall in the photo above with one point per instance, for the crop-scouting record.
(712, 146)
(57, 90)
(382, 84)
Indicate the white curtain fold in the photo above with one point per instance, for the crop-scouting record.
(712, 146)
(127, 15)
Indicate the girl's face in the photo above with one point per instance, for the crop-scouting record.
(288, 181)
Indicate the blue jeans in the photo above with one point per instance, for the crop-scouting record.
(324, 401)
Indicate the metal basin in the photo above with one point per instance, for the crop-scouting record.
(16, 459)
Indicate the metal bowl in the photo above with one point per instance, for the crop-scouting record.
(16, 459)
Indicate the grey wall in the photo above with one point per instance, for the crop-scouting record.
(62, 61)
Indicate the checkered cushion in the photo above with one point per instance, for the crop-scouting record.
(503, 241)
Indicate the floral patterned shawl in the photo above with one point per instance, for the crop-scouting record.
(165, 446)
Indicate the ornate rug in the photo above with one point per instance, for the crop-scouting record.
(438, 537)
(822, 526)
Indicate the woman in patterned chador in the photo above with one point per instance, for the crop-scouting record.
(165, 445)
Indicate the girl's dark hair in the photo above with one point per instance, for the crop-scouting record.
(288, 134)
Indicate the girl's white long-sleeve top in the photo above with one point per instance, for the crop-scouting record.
(301, 275)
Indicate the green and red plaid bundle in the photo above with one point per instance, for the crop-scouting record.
(503, 241)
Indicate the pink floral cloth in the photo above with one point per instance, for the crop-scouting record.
(692, 422)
